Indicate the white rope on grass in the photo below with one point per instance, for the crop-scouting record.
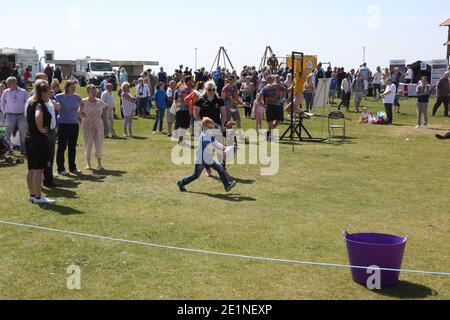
(230, 255)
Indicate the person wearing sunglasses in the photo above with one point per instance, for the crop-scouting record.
(210, 105)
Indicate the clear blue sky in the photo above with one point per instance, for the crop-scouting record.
(169, 31)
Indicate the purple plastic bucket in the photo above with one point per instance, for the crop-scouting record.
(374, 249)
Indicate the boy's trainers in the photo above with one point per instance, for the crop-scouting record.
(43, 200)
(230, 186)
(31, 199)
(181, 187)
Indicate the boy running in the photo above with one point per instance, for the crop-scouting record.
(203, 158)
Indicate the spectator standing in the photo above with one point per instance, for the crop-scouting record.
(170, 93)
(161, 106)
(49, 72)
(69, 128)
(423, 98)
(26, 78)
(162, 76)
(58, 74)
(333, 87)
(442, 94)
(409, 76)
(341, 75)
(346, 89)
(273, 63)
(13, 104)
(364, 72)
(377, 80)
(388, 99)
(231, 98)
(396, 77)
(183, 116)
(2, 115)
(319, 73)
(91, 114)
(108, 115)
(53, 107)
(123, 76)
(358, 90)
(38, 123)
(128, 108)
(143, 94)
(247, 90)
(308, 93)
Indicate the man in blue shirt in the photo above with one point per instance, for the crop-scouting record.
(160, 98)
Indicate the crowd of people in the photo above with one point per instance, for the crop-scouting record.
(49, 121)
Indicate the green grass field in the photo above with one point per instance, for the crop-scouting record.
(389, 179)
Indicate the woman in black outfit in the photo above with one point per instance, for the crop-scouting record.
(38, 142)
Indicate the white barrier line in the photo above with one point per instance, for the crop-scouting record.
(331, 265)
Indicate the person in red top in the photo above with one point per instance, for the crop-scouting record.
(26, 78)
(49, 72)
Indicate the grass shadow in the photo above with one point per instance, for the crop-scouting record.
(62, 210)
(68, 184)
(91, 178)
(407, 290)
(117, 138)
(8, 165)
(227, 197)
(138, 138)
(112, 173)
(240, 181)
(61, 193)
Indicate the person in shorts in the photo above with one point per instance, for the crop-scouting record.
(230, 95)
(37, 141)
(272, 95)
(183, 117)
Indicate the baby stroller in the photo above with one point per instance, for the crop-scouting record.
(5, 151)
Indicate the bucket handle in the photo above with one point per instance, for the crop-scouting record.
(406, 237)
(345, 234)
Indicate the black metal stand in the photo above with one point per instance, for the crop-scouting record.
(293, 129)
(222, 55)
(294, 132)
(297, 129)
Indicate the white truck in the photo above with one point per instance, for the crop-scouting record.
(94, 71)
(24, 58)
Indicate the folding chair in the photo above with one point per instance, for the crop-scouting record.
(336, 122)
